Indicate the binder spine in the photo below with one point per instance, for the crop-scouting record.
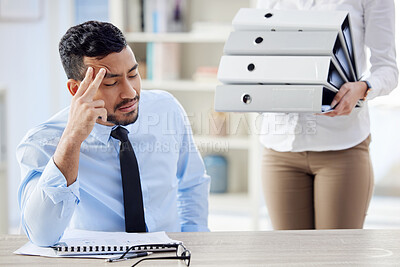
(273, 69)
(268, 98)
(287, 20)
(319, 43)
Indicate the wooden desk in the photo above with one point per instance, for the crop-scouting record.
(277, 248)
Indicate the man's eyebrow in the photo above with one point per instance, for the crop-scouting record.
(134, 67)
(112, 75)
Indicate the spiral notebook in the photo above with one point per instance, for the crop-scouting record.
(95, 244)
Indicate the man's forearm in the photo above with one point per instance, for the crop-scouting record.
(66, 158)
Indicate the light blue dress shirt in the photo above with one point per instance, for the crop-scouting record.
(174, 183)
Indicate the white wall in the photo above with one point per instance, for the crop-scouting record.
(32, 73)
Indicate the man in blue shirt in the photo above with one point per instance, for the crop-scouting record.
(71, 176)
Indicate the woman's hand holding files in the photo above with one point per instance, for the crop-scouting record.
(346, 99)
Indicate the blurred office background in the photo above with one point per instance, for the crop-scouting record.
(180, 53)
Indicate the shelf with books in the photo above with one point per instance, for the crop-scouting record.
(178, 37)
(185, 64)
(221, 143)
(180, 85)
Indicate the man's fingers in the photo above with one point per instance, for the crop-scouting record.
(97, 104)
(92, 89)
(85, 83)
(95, 109)
(101, 114)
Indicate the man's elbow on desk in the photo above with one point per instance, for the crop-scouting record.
(41, 239)
(43, 233)
(45, 222)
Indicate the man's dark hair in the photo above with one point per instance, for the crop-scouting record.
(90, 39)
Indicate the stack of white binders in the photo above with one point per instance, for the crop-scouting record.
(285, 61)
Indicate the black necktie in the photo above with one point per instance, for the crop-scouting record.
(132, 190)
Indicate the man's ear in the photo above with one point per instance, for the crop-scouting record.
(73, 86)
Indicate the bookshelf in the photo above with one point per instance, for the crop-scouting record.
(181, 37)
(180, 85)
(200, 47)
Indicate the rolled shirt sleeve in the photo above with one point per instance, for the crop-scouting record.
(46, 202)
(54, 185)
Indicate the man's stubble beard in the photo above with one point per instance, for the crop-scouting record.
(112, 118)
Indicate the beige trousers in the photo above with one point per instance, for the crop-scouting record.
(318, 190)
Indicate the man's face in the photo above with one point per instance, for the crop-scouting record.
(120, 89)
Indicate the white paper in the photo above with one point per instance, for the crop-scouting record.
(93, 238)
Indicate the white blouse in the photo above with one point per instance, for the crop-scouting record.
(373, 27)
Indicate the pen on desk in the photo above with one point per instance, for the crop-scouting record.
(131, 256)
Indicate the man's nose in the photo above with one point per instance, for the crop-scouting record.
(128, 91)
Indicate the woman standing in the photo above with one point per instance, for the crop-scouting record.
(317, 172)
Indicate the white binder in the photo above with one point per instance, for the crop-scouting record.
(300, 70)
(271, 98)
(252, 19)
(318, 43)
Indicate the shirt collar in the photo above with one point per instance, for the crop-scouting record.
(103, 132)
